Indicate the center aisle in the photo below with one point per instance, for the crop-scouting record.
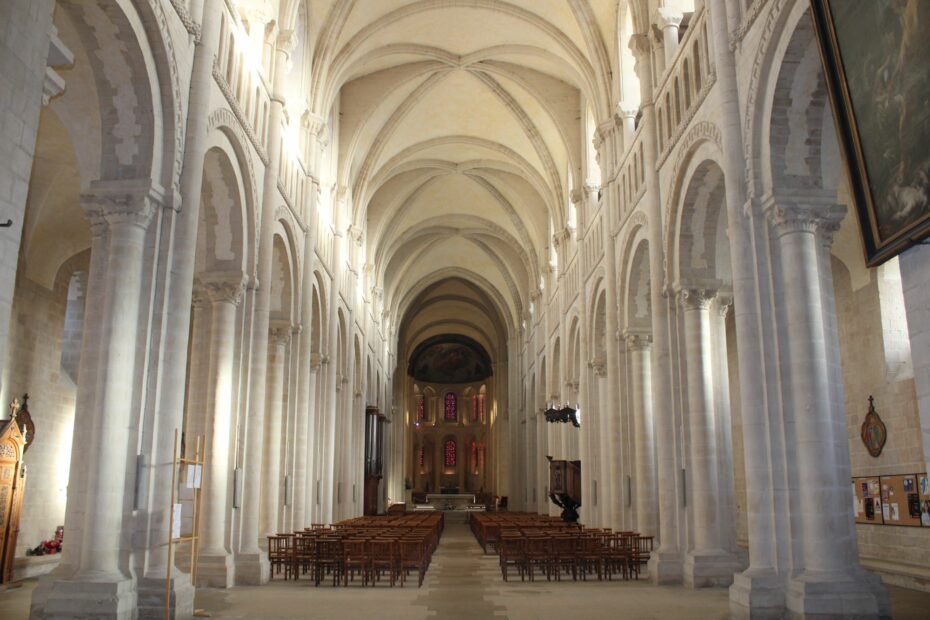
(461, 578)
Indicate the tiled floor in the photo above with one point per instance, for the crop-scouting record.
(462, 583)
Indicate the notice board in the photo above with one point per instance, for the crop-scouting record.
(901, 499)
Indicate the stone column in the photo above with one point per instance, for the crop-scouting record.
(303, 511)
(830, 580)
(724, 421)
(639, 346)
(665, 564)
(251, 561)
(627, 114)
(669, 20)
(215, 567)
(271, 480)
(601, 443)
(120, 213)
(707, 564)
(611, 406)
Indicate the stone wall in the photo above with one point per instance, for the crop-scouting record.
(24, 26)
(902, 554)
(38, 330)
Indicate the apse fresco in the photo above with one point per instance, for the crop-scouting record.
(450, 360)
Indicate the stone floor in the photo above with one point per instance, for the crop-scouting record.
(462, 583)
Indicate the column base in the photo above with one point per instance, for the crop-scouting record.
(215, 570)
(709, 569)
(152, 598)
(856, 594)
(757, 594)
(110, 598)
(252, 569)
(665, 568)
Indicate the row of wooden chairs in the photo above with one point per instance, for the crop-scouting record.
(370, 548)
(531, 544)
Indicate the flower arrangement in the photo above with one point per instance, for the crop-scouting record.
(48, 547)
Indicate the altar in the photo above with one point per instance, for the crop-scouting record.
(455, 506)
(450, 501)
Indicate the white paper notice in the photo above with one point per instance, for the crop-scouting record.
(886, 512)
(193, 476)
(176, 521)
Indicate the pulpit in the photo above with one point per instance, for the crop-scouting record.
(12, 485)
(565, 487)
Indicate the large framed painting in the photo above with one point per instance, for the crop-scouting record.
(876, 58)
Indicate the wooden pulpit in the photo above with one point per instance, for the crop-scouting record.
(12, 485)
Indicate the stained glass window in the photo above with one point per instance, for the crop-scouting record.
(421, 408)
(451, 407)
(422, 456)
(481, 407)
(450, 453)
(474, 409)
(474, 456)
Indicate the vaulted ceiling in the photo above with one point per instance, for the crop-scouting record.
(460, 131)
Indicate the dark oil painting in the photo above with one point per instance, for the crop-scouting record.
(876, 57)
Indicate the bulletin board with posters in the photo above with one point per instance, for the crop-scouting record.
(902, 500)
(867, 500)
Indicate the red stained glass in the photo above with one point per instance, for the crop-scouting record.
(451, 407)
(422, 456)
(474, 409)
(421, 408)
(474, 455)
(481, 407)
(450, 453)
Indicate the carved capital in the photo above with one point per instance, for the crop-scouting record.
(636, 341)
(316, 360)
(626, 110)
(114, 203)
(279, 333)
(695, 298)
(598, 366)
(668, 18)
(287, 41)
(639, 45)
(789, 217)
(221, 287)
(724, 303)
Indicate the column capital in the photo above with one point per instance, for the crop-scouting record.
(639, 45)
(695, 298)
(668, 18)
(598, 366)
(638, 341)
(132, 202)
(724, 303)
(279, 333)
(316, 360)
(286, 41)
(221, 287)
(815, 216)
(626, 110)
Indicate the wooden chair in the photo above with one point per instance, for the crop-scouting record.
(383, 559)
(411, 552)
(302, 555)
(279, 554)
(536, 555)
(589, 556)
(327, 559)
(511, 550)
(355, 557)
(563, 555)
